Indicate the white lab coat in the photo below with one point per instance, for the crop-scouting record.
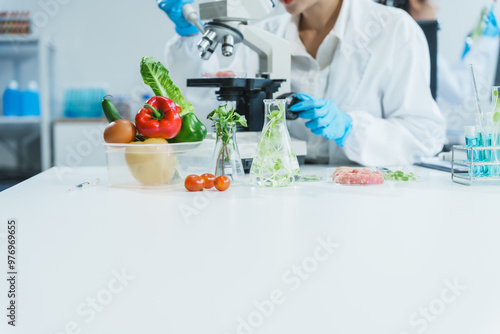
(374, 65)
(455, 91)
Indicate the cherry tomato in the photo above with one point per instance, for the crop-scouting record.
(194, 183)
(209, 180)
(222, 182)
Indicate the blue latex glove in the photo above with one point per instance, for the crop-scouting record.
(491, 26)
(173, 8)
(326, 118)
(490, 29)
(466, 49)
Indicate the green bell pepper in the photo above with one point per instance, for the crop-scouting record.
(192, 130)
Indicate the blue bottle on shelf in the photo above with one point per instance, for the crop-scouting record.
(11, 100)
(30, 104)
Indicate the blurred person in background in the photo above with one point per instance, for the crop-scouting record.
(455, 92)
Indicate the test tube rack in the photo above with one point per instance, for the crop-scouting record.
(466, 177)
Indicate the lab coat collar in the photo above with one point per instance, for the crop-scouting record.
(365, 23)
(349, 28)
(292, 34)
(340, 27)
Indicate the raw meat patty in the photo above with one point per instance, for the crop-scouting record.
(349, 175)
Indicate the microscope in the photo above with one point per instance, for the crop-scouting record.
(227, 25)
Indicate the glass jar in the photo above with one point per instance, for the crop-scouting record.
(226, 159)
(275, 164)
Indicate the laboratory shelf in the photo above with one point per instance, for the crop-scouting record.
(19, 38)
(19, 119)
(25, 58)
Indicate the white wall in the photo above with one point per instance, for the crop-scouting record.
(104, 40)
(100, 41)
(457, 19)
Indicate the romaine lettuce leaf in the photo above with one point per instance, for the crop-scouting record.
(156, 76)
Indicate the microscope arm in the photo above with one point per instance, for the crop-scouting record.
(274, 53)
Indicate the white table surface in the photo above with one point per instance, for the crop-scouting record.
(375, 259)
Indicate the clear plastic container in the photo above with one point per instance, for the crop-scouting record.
(156, 165)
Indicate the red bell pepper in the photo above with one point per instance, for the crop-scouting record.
(160, 118)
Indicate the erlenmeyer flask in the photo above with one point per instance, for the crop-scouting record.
(226, 159)
(275, 164)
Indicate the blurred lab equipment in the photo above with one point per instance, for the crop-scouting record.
(449, 81)
(482, 143)
(30, 100)
(84, 100)
(486, 26)
(430, 29)
(15, 23)
(11, 100)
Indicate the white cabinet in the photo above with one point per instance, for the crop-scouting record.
(79, 142)
(27, 58)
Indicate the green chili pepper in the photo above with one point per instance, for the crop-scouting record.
(192, 130)
(110, 110)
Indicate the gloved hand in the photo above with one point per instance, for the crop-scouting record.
(488, 26)
(173, 8)
(326, 118)
(491, 26)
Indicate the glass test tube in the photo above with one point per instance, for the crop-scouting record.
(495, 129)
(472, 140)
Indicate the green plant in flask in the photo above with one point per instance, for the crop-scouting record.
(275, 164)
(226, 159)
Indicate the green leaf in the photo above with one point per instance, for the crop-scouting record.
(275, 113)
(242, 121)
(496, 117)
(495, 93)
(156, 76)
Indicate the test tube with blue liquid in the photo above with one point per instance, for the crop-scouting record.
(485, 141)
(494, 119)
(472, 140)
(482, 128)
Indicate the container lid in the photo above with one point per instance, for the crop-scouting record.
(32, 86)
(470, 131)
(14, 85)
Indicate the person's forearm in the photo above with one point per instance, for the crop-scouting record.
(376, 141)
